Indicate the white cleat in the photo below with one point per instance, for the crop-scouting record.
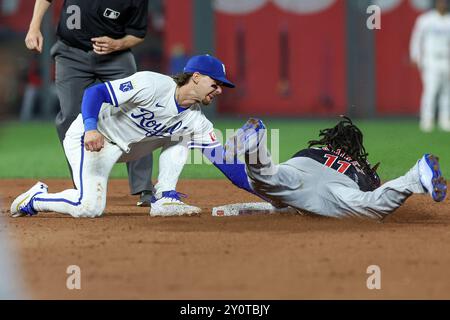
(431, 177)
(169, 204)
(23, 204)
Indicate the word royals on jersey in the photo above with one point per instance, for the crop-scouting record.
(144, 108)
(151, 126)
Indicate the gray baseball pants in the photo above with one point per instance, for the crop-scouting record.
(75, 71)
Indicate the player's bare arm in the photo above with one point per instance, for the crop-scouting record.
(105, 45)
(34, 39)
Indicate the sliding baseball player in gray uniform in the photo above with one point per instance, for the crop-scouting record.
(332, 177)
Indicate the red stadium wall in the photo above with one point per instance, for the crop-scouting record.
(178, 25)
(304, 75)
(287, 63)
(18, 19)
(307, 74)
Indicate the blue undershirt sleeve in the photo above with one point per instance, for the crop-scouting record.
(235, 172)
(93, 99)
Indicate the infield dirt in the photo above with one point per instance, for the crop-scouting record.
(126, 254)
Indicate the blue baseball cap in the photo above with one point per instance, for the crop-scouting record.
(208, 66)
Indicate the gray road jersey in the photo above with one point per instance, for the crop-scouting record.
(339, 161)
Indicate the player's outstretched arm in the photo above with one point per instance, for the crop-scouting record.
(235, 171)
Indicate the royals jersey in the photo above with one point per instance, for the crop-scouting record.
(144, 109)
(339, 161)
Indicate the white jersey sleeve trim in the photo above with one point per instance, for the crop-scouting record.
(112, 94)
(194, 145)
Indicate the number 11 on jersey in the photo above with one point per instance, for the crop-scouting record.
(331, 159)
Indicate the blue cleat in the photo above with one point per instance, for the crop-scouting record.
(431, 177)
(23, 204)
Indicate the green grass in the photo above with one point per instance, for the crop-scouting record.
(32, 150)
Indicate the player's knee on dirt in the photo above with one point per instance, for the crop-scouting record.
(90, 209)
(93, 202)
(91, 206)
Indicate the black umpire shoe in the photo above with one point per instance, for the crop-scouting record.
(145, 199)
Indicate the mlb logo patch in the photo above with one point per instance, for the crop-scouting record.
(126, 86)
(111, 14)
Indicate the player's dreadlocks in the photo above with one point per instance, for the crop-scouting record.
(347, 137)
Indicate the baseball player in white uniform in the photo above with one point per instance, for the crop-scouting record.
(330, 178)
(122, 120)
(430, 51)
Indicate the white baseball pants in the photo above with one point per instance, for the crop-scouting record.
(90, 174)
(436, 85)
